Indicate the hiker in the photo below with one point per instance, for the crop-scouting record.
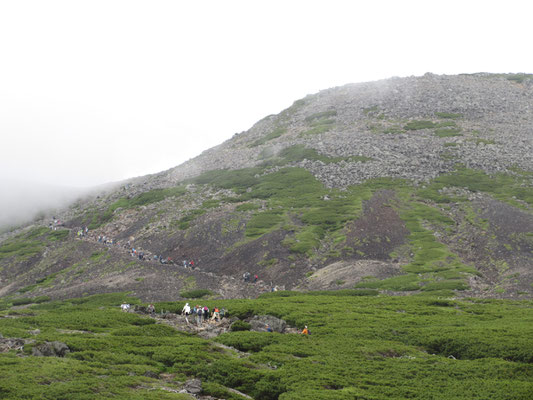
(125, 307)
(255, 278)
(206, 313)
(306, 331)
(246, 276)
(150, 309)
(222, 313)
(199, 312)
(268, 328)
(191, 264)
(186, 309)
(184, 263)
(216, 314)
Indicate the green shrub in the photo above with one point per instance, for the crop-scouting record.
(239, 180)
(210, 204)
(519, 78)
(99, 218)
(58, 235)
(446, 285)
(240, 326)
(185, 221)
(263, 222)
(447, 115)
(246, 207)
(277, 132)
(20, 248)
(321, 115)
(299, 152)
(373, 347)
(449, 132)
(244, 340)
(22, 301)
(485, 141)
(417, 125)
(195, 293)
(41, 299)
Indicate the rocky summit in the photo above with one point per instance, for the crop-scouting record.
(406, 185)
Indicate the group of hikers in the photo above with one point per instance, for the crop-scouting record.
(247, 277)
(203, 314)
(83, 231)
(141, 255)
(55, 223)
(105, 240)
(146, 256)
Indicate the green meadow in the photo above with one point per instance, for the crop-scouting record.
(362, 346)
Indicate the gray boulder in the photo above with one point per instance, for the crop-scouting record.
(193, 386)
(259, 323)
(50, 349)
(7, 344)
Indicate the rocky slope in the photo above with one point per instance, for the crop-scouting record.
(404, 185)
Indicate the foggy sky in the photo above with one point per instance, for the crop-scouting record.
(99, 91)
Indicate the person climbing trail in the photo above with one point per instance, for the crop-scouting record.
(199, 313)
(216, 314)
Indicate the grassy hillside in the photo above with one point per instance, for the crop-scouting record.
(362, 345)
(463, 231)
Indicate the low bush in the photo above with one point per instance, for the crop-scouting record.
(195, 293)
(240, 326)
(277, 132)
(447, 115)
(448, 132)
(418, 125)
(369, 346)
(244, 340)
(22, 301)
(321, 115)
(246, 207)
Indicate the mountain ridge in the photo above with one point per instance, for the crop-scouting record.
(407, 185)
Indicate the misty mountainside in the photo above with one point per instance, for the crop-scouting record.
(25, 201)
(407, 185)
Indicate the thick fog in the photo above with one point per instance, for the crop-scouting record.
(24, 201)
(100, 91)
